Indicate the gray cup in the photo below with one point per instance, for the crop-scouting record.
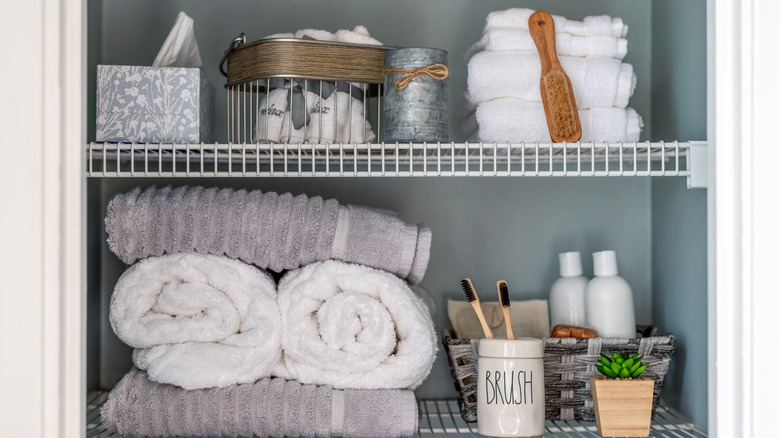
(418, 112)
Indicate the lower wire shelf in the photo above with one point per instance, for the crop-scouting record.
(442, 418)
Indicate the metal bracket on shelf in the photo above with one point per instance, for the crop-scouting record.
(697, 164)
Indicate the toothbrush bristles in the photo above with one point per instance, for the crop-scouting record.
(503, 293)
(468, 289)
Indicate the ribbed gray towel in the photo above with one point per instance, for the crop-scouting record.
(270, 407)
(269, 230)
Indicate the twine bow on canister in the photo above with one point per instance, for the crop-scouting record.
(436, 71)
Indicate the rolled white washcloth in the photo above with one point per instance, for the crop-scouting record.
(596, 82)
(198, 321)
(504, 38)
(350, 326)
(515, 121)
(590, 26)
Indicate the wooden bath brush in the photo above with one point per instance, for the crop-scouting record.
(563, 121)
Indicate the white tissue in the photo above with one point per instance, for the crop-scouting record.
(180, 48)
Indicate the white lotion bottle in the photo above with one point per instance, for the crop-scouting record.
(609, 302)
(567, 294)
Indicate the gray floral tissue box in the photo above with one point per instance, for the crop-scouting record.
(154, 105)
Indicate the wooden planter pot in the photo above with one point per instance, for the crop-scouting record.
(623, 407)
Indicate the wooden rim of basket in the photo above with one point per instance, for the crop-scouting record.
(302, 58)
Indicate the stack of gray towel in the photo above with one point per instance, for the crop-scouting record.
(267, 230)
(188, 225)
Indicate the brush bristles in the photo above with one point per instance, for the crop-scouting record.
(564, 122)
(468, 289)
(503, 293)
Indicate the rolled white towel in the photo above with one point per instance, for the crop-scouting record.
(350, 326)
(198, 321)
(272, 113)
(596, 82)
(593, 25)
(506, 38)
(515, 121)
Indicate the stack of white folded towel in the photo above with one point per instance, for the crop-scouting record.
(334, 349)
(297, 111)
(503, 98)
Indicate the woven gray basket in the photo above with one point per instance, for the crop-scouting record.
(568, 365)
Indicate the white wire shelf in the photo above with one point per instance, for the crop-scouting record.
(442, 418)
(381, 160)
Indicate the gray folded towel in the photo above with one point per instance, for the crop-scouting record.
(272, 231)
(270, 407)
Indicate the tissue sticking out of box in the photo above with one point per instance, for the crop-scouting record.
(180, 49)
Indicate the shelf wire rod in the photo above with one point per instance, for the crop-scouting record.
(592, 158)
(216, 158)
(300, 159)
(495, 159)
(565, 168)
(425, 158)
(243, 159)
(663, 157)
(89, 154)
(230, 161)
(132, 159)
(327, 159)
(677, 157)
(397, 159)
(173, 160)
(379, 114)
(202, 165)
(438, 158)
(341, 153)
(550, 159)
(227, 108)
(368, 152)
(536, 157)
(522, 158)
(452, 159)
(649, 156)
(620, 155)
(187, 157)
(354, 151)
(508, 158)
(365, 121)
(606, 158)
(271, 159)
(159, 159)
(383, 158)
(335, 117)
(467, 158)
(284, 155)
(257, 158)
(118, 163)
(579, 158)
(481, 160)
(635, 151)
(411, 159)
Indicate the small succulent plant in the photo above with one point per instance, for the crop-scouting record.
(621, 366)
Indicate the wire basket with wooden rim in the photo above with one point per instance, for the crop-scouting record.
(290, 90)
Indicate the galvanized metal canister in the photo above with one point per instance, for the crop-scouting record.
(418, 111)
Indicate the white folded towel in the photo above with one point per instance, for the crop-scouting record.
(350, 326)
(198, 321)
(596, 81)
(594, 25)
(515, 121)
(505, 38)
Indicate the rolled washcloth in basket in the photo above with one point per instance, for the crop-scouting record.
(198, 321)
(351, 326)
(515, 121)
(269, 230)
(596, 82)
(270, 407)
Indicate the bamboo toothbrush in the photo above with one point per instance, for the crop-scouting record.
(563, 121)
(471, 296)
(503, 297)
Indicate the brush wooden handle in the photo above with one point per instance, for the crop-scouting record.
(508, 323)
(478, 311)
(542, 30)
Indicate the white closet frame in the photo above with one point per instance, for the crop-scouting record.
(42, 227)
